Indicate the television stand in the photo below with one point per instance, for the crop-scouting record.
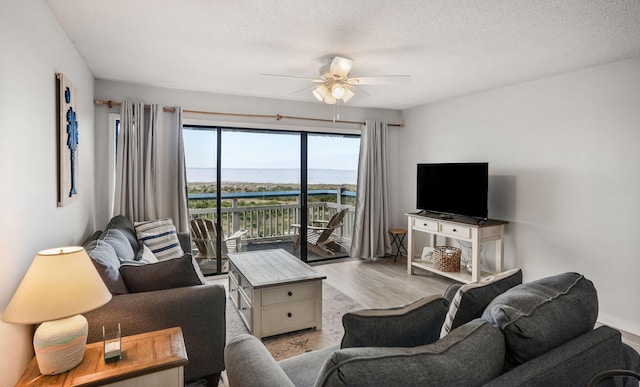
(459, 228)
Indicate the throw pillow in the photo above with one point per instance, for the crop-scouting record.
(471, 355)
(107, 264)
(167, 274)
(471, 299)
(120, 244)
(541, 315)
(408, 326)
(161, 237)
(147, 255)
(122, 223)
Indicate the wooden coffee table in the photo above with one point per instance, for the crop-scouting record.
(275, 292)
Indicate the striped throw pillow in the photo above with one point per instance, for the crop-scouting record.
(161, 238)
(471, 299)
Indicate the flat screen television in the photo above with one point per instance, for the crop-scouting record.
(453, 189)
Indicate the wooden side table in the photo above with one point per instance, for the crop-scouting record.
(149, 359)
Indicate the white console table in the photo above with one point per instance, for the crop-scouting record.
(463, 229)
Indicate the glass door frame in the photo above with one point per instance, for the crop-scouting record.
(304, 205)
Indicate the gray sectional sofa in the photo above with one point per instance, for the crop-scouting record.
(494, 333)
(155, 296)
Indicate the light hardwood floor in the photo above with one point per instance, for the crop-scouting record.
(381, 283)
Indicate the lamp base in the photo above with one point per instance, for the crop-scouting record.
(59, 345)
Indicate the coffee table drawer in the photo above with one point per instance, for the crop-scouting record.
(289, 293)
(246, 311)
(233, 290)
(233, 272)
(287, 317)
(245, 287)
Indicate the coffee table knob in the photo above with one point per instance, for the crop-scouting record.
(289, 314)
(290, 294)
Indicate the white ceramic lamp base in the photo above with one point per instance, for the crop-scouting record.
(59, 345)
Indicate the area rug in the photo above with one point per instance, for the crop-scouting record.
(334, 305)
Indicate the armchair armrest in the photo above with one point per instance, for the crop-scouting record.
(411, 325)
(598, 350)
(198, 310)
(236, 235)
(250, 364)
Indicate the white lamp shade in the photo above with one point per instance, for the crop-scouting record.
(60, 283)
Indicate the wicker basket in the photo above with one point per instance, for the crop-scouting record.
(447, 258)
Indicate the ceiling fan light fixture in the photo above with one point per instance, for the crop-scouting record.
(338, 91)
(329, 100)
(347, 95)
(321, 92)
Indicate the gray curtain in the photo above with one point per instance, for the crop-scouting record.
(370, 235)
(150, 168)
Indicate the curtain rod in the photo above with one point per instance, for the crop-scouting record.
(277, 117)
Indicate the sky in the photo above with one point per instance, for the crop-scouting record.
(269, 150)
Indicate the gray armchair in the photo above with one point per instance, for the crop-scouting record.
(390, 347)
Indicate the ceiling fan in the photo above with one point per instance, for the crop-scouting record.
(337, 86)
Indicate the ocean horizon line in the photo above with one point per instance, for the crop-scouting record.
(273, 175)
(274, 168)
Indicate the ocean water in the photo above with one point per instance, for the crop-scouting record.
(272, 175)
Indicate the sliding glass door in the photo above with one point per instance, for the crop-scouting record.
(261, 186)
(332, 185)
(201, 159)
(267, 189)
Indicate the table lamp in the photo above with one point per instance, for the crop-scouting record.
(60, 284)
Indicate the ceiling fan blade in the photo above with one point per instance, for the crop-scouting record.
(379, 80)
(303, 89)
(360, 90)
(340, 67)
(316, 80)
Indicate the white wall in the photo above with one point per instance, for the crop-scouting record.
(34, 48)
(191, 100)
(564, 162)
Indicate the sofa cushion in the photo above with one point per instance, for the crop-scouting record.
(470, 300)
(167, 274)
(120, 244)
(538, 316)
(124, 225)
(473, 354)
(161, 237)
(408, 326)
(107, 264)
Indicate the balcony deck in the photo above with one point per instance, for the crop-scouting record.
(270, 226)
(209, 268)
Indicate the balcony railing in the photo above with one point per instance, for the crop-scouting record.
(273, 222)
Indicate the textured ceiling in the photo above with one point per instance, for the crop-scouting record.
(449, 48)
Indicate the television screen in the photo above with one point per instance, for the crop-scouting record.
(453, 189)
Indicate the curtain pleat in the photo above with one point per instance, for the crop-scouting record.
(370, 236)
(150, 165)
